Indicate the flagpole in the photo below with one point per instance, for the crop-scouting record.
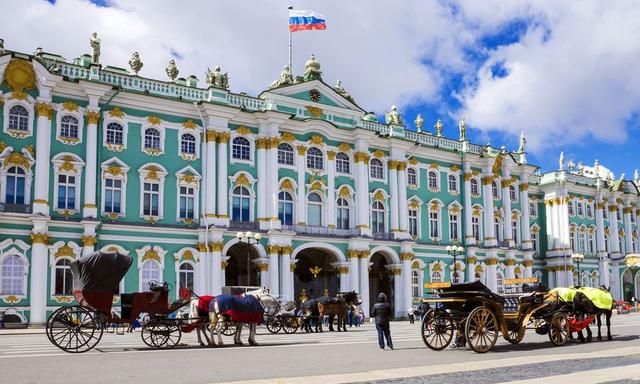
(290, 47)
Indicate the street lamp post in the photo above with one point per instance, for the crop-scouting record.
(249, 238)
(577, 257)
(454, 251)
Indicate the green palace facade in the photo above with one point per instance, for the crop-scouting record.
(96, 157)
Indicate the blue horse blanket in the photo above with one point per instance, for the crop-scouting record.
(246, 309)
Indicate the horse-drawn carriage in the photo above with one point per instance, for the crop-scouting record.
(479, 315)
(96, 279)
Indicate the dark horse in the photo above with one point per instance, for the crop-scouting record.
(331, 306)
(583, 304)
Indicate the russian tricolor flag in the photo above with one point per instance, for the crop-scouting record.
(301, 20)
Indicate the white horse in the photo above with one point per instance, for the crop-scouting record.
(198, 321)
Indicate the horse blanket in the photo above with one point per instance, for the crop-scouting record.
(246, 309)
(565, 294)
(203, 305)
(600, 298)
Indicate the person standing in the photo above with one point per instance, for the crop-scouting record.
(381, 312)
(1, 320)
(412, 311)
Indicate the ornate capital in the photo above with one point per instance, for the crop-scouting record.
(331, 155)
(510, 262)
(261, 143)
(353, 253)
(44, 110)
(524, 186)
(202, 247)
(223, 137)
(361, 157)
(472, 259)
(528, 263)
(88, 240)
(217, 247)
(343, 270)
(505, 183)
(406, 255)
(301, 150)
(613, 208)
(468, 176)
(402, 165)
(211, 136)
(487, 180)
(273, 249)
(628, 210)
(493, 261)
(364, 254)
(599, 205)
(39, 238)
(93, 117)
(263, 267)
(393, 164)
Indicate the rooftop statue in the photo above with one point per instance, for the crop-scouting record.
(285, 78)
(439, 127)
(217, 78)
(596, 168)
(312, 69)
(94, 41)
(561, 162)
(462, 127)
(394, 116)
(341, 91)
(571, 165)
(172, 70)
(523, 142)
(636, 177)
(580, 168)
(38, 53)
(135, 63)
(419, 122)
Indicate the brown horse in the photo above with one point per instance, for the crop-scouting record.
(337, 306)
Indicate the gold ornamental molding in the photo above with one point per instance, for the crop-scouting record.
(189, 124)
(40, 238)
(434, 166)
(20, 76)
(492, 261)
(44, 110)
(63, 251)
(261, 143)
(223, 137)
(393, 165)
(406, 255)
(301, 150)
(331, 155)
(88, 240)
(217, 246)
(510, 262)
(211, 136)
(116, 112)
(344, 147)
(70, 106)
(286, 185)
(287, 137)
(315, 112)
(273, 142)
(506, 183)
(343, 270)
(472, 259)
(468, 176)
(436, 268)
(151, 254)
(361, 157)
(528, 263)
(378, 196)
(524, 186)
(402, 165)
(17, 158)
(316, 140)
(344, 192)
(263, 267)
(378, 154)
(613, 208)
(627, 210)
(243, 131)
(242, 180)
(487, 180)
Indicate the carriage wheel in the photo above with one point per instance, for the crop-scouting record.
(481, 330)
(437, 330)
(228, 328)
(274, 325)
(161, 334)
(559, 329)
(515, 336)
(290, 324)
(74, 329)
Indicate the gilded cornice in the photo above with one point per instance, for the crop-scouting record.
(211, 136)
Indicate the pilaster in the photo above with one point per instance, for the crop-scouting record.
(331, 189)
(39, 268)
(90, 208)
(44, 112)
(223, 190)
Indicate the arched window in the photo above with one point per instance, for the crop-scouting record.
(315, 159)
(188, 144)
(150, 272)
(416, 287)
(240, 204)
(64, 278)
(433, 180)
(241, 149)
(69, 127)
(342, 216)
(16, 180)
(115, 134)
(474, 187)
(512, 193)
(589, 211)
(18, 118)
(186, 276)
(436, 277)
(413, 222)
(570, 208)
(113, 194)
(285, 208)
(187, 198)
(12, 276)
(412, 179)
(534, 240)
(342, 163)
(285, 154)
(152, 138)
(515, 230)
(453, 184)
(314, 210)
(595, 282)
(580, 209)
(533, 212)
(377, 217)
(494, 190)
(66, 192)
(500, 283)
(475, 227)
(498, 227)
(376, 169)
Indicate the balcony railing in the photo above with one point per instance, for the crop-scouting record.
(15, 208)
(382, 236)
(244, 225)
(320, 231)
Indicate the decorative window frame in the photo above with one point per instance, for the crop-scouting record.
(516, 193)
(10, 247)
(152, 151)
(116, 116)
(243, 179)
(580, 208)
(415, 203)
(196, 132)
(289, 187)
(156, 173)
(188, 177)
(439, 267)
(24, 160)
(324, 159)
(251, 137)
(534, 214)
(589, 210)
(28, 103)
(477, 211)
(382, 196)
(67, 163)
(295, 156)
(150, 253)
(571, 208)
(346, 192)
(415, 186)
(515, 218)
(438, 182)
(455, 209)
(435, 205)
(69, 109)
(61, 250)
(385, 169)
(323, 206)
(350, 157)
(118, 171)
(479, 185)
(498, 195)
(456, 174)
(190, 256)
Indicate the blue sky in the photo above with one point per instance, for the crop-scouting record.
(563, 72)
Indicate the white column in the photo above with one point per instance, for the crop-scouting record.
(614, 238)
(90, 209)
(407, 295)
(563, 215)
(263, 179)
(492, 276)
(286, 273)
(615, 284)
(263, 265)
(528, 265)
(506, 207)
(43, 158)
(393, 191)
(223, 266)
(272, 185)
(38, 273)
(548, 206)
(364, 282)
(353, 271)
(215, 268)
(398, 298)
(300, 198)
(510, 264)
(274, 281)
(223, 193)
(331, 190)
(403, 211)
(628, 230)
(362, 193)
(524, 204)
(487, 197)
(468, 230)
(471, 264)
(210, 187)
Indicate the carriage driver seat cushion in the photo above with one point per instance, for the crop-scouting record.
(510, 304)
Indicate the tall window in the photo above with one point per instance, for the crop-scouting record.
(186, 276)
(413, 222)
(454, 227)
(343, 214)
(453, 184)
(188, 144)
(591, 242)
(240, 204)
(15, 186)
(150, 272)
(533, 212)
(315, 159)
(499, 283)
(494, 190)
(187, 201)
(241, 149)
(436, 277)
(152, 138)
(69, 127)
(66, 192)
(115, 134)
(512, 193)
(514, 231)
(12, 276)
(589, 211)
(415, 284)
(64, 278)
(498, 226)
(412, 179)
(112, 195)
(580, 209)
(376, 169)
(572, 239)
(570, 208)
(534, 241)
(434, 224)
(433, 180)
(342, 163)
(475, 227)
(314, 210)
(151, 199)
(285, 154)
(18, 118)
(285, 208)
(377, 217)
(474, 187)
(582, 240)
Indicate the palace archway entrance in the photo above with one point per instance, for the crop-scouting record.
(241, 269)
(314, 275)
(381, 280)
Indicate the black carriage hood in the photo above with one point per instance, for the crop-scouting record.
(100, 271)
(471, 288)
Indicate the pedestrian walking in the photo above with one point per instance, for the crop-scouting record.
(381, 312)
(1, 320)
(412, 311)
(351, 314)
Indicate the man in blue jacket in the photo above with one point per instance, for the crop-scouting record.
(382, 312)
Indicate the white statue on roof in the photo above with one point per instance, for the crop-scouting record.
(341, 91)
(561, 162)
(217, 78)
(285, 78)
(462, 127)
(393, 117)
(419, 122)
(636, 177)
(94, 41)
(439, 127)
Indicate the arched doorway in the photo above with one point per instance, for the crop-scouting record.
(315, 276)
(381, 280)
(629, 281)
(241, 270)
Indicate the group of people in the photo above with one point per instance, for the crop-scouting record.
(417, 312)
